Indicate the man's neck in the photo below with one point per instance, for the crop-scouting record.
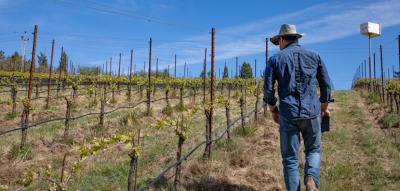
(288, 44)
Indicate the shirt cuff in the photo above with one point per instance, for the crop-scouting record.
(270, 102)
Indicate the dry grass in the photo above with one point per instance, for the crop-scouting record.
(357, 154)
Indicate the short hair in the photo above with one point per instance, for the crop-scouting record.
(290, 38)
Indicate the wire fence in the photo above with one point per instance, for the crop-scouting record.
(88, 114)
(193, 150)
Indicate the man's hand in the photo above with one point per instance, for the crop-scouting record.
(325, 110)
(275, 113)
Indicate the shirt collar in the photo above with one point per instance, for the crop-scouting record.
(291, 45)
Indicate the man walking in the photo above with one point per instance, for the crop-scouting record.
(298, 72)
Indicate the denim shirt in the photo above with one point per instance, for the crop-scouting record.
(298, 72)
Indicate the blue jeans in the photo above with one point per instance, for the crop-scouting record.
(290, 130)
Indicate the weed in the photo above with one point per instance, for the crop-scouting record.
(390, 120)
(6, 102)
(99, 129)
(10, 115)
(180, 107)
(25, 153)
(92, 103)
(148, 114)
(372, 98)
(168, 110)
(227, 145)
(69, 140)
(247, 131)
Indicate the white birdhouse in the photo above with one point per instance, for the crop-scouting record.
(370, 29)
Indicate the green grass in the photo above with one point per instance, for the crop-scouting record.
(167, 110)
(227, 145)
(356, 155)
(390, 120)
(372, 98)
(102, 177)
(247, 131)
(24, 153)
(180, 107)
(10, 115)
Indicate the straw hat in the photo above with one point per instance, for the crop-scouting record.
(286, 30)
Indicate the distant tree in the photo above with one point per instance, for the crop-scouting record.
(15, 61)
(246, 71)
(201, 74)
(164, 74)
(209, 74)
(89, 70)
(226, 73)
(63, 63)
(42, 61)
(2, 55)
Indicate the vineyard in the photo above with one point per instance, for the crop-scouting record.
(80, 121)
(63, 129)
(57, 127)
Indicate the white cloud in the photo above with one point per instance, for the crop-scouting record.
(322, 23)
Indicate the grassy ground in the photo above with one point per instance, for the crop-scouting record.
(107, 169)
(357, 154)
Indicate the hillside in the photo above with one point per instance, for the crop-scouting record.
(356, 155)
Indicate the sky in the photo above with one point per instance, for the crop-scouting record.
(93, 31)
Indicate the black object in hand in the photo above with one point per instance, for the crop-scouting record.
(325, 123)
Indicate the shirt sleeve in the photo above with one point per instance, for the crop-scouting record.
(269, 84)
(324, 82)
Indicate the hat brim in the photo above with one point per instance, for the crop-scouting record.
(275, 38)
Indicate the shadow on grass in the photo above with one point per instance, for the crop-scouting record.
(212, 184)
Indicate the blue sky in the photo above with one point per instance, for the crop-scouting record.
(92, 31)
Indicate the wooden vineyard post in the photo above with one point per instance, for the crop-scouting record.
(228, 112)
(175, 67)
(64, 84)
(237, 66)
(67, 117)
(382, 77)
(14, 92)
(204, 75)
(157, 68)
(130, 78)
(242, 110)
(154, 85)
(257, 94)
(149, 84)
(50, 75)
(181, 105)
(25, 113)
(119, 72)
(374, 82)
(396, 100)
(265, 107)
(102, 105)
(60, 70)
(209, 114)
(110, 66)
